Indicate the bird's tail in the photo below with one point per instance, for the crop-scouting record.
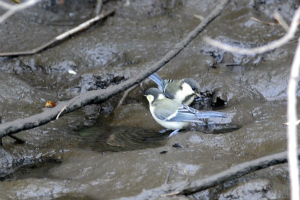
(210, 114)
(158, 80)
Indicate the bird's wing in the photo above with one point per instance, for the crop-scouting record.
(176, 115)
(183, 115)
(170, 87)
(204, 114)
(158, 80)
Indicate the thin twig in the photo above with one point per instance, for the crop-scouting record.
(267, 23)
(170, 194)
(11, 9)
(168, 175)
(281, 21)
(125, 95)
(98, 7)
(292, 128)
(19, 140)
(99, 96)
(258, 50)
(65, 107)
(62, 36)
(198, 17)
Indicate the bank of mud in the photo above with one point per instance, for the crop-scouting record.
(107, 153)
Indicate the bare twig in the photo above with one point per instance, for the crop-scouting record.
(62, 110)
(198, 17)
(168, 175)
(61, 37)
(125, 95)
(65, 107)
(11, 9)
(170, 194)
(292, 128)
(188, 188)
(281, 21)
(98, 96)
(257, 50)
(19, 140)
(267, 23)
(98, 7)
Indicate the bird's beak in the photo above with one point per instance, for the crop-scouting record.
(198, 95)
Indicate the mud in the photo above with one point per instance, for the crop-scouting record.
(104, 152)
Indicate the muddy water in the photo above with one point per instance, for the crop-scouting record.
(104, 152)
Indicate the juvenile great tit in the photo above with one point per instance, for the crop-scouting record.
(182, 91)
(173, 115)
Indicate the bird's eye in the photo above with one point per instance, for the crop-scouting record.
(193, 88)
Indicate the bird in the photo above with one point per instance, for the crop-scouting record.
(174, 115)
(183, 91)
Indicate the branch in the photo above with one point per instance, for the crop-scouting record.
(292, 127)
(61, 37)
(258, 50)
(98, 7)
(292, 89)
(125, 95)
(187, 188)
(14, 8)
(98, 96)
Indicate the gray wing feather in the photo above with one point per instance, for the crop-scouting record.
(205, 114)
(184, 113)
(180, 115)
(158, 80)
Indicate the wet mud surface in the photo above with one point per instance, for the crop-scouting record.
(105, 152)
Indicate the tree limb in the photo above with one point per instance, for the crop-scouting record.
(98, 96)
(292, 127)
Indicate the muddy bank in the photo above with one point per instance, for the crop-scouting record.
(99, 152)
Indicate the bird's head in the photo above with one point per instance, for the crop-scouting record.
(191, 86)
(153, 94)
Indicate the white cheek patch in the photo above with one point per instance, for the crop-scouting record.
(160, 96)
(150, 98)
(186, 91)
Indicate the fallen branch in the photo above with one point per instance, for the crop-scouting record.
(292, 128)
(258, 50)
(188, 188)
(125, 95)
(62, 36)
(98, 96)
